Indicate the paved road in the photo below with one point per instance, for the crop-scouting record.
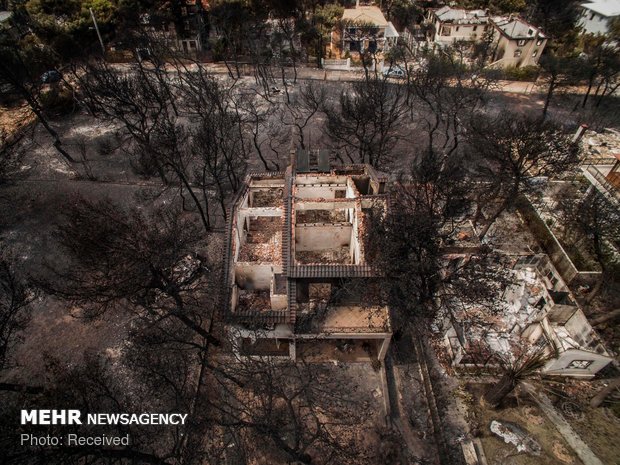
(317, 74)
(310, 73)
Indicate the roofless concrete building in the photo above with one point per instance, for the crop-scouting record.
(298, 282)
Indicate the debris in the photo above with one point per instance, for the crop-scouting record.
(561, 453)
(512, 433)
(532, 418)
(271, 197)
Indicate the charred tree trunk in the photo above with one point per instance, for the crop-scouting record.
(587, 94)
(36, 108)
(552, 86)
(599, 398)
(598, 286)
(611, 315)
(498, 392)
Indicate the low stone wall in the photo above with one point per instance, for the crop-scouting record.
(553, 248)
(342, 65)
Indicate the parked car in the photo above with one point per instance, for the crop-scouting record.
(51, 76)
(395, 72)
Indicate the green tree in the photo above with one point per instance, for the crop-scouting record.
(66, 26)
(316, 31)
(22, 60)
(497, 6)
(558, 20)
(403, 13)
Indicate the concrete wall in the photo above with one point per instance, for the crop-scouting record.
(593, 23)
(458, 32)
(311, 178)
(532, 332)
(319, 237)
(238, 229)
(351, 189)
(317, 192)
(579, 327)
(560, 366)
(561, 313)
(278, 301)
(314, 204)
(343, 65)
(234, 297)
(355, 249)
(255, 276)
(548, 241)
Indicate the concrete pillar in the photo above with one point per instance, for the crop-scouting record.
(385, 344)
(579, 133)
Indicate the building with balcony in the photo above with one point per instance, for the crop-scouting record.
(181, 26)
(365, 29)
(456, 24)
(512, 41)
(297, 281)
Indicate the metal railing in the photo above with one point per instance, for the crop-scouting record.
(610, 191)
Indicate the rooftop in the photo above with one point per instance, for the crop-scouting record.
(607, 8)
(461, 16)
(516, 28)
(365, 14)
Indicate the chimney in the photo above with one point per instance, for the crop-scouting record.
(581, 130)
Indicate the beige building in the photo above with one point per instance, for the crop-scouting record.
(456, 24)
(298, 282)
(517, 43)
(365, 29)
(514, 42)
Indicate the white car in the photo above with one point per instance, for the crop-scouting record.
(395, 72)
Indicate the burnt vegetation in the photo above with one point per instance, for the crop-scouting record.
(155, 261)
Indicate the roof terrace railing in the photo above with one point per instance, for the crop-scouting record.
(611, 192)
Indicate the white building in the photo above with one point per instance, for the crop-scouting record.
(454, 24)
(597, 15)
(538, 310)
